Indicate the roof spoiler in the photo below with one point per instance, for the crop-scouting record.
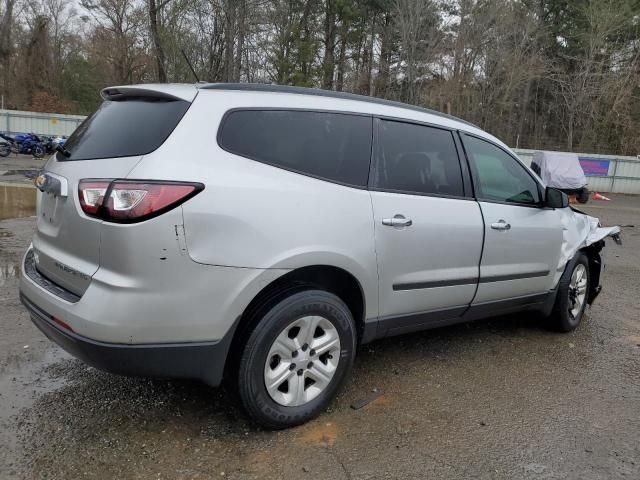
(167, 92)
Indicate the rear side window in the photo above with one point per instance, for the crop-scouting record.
(417, 159)
(332, 146)
(124, 128)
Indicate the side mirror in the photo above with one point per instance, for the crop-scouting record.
(554, 198)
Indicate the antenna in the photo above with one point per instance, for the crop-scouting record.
(190, 66)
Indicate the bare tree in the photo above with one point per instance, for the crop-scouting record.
(155, 9)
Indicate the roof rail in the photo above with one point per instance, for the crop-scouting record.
(265, 87)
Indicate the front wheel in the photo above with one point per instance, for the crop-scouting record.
(296, 358)
(572, 296)
(38, 151)
(5, 149)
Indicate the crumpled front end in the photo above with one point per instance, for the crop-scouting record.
(582, 231)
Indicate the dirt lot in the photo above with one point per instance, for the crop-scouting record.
(499, 399)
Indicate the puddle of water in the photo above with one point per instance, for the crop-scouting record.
(17, 201)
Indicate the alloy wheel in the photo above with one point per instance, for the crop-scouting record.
(577, 290)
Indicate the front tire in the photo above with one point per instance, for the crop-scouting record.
(38, 151)
(572, 296)
(5, 149)
(296, 358)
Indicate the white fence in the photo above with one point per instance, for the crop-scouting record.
(17, 121)
(605, 173)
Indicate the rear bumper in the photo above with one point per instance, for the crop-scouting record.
(198, 360)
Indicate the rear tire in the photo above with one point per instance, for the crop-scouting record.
(572, 296)
(282, 380)
(5, 149)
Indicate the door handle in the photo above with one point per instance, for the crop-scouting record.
(397, 221)
(501, 225)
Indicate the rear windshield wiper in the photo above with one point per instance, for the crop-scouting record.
(63, 151)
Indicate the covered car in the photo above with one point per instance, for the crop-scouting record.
(562, 171)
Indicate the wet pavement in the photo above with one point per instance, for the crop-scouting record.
(496, 399)
(20, 168)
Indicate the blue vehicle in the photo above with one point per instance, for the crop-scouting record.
(26, 144)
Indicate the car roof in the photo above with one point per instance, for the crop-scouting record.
(341, 101)
(262, 87)
(317, 98)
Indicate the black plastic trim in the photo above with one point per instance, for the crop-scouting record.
(401, 324)
(537, 302)
(467, 182)
(398, 325)
(198, 360)
(513, 276)
(31, 271)
(434, 284)
(260, 87)
(468, 281)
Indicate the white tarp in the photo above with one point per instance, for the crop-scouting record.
(560, 170)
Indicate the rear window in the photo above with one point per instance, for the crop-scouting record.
(333, 146)
(124, 128)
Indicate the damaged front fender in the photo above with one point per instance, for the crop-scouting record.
(582, 232)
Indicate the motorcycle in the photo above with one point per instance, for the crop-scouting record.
(26, 144)
(51, 143)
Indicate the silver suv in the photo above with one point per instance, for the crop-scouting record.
(259, 234)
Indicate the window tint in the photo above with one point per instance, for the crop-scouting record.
(122, 128)
(417, 159)
(498, 176)
(328, 145)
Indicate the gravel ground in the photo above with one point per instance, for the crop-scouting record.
(497, 399)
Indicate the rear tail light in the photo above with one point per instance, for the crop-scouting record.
(129, 201)
(92, 196)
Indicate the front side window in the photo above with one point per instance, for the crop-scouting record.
(417, 159)
(333, 146)
(498, 177)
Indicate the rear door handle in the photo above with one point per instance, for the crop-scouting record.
(501, 225)
(397, 221)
